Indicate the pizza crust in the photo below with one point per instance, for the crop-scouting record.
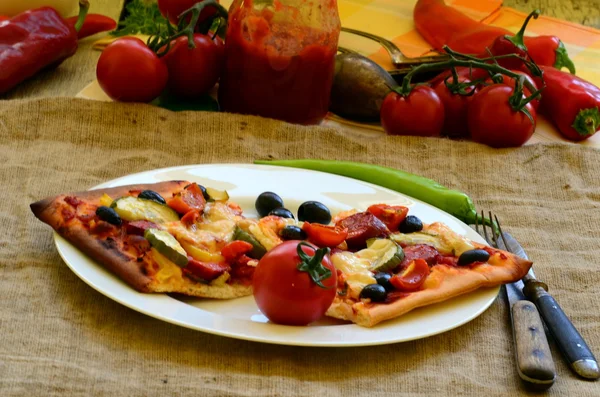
(111, 257)
(443, 283)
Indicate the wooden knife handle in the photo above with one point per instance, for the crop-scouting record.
(569, 340)
(534, 359)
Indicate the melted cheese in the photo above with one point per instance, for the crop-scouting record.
(168, 272)
(355, 268)
(266, 230)
(439, 236)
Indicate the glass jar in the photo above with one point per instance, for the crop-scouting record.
(280, 58)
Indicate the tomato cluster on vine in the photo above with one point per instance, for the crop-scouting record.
(186, 62)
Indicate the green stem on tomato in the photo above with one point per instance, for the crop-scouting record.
(84, 7)
(517, 39)
(457, 59)
(313, 265)
(162, 46)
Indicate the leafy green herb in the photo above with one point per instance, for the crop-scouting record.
(143, 17)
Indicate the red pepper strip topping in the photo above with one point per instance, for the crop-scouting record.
(323, 235)
(235, 250)
(190, 217)
(93, 24)
(190, 198)
(413, 277)
(4, 18)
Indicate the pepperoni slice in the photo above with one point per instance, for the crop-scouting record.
(361, 227)
(206, 270)
(419, 251)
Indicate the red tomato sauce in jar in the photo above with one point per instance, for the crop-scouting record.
(278, 65)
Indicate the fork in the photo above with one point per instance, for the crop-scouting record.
(399, 60)
(533, 357)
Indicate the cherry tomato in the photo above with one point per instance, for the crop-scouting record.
(420, 113)
(287, 295)
(194, 71)
(509, 81)
(323, 235)
(455, 109)
(129, 71)
(190, 198)
(492, 120)
(413, 277)
(391, 215)
(172, 9)
(361, 227)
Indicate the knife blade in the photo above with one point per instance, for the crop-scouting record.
(570, 342)
(532, 352)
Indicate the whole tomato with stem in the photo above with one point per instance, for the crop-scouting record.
(500, 117)
(194, 71)
(455, 105)
(172, 9)
(129, 71)
(419, 112)
(294, 283)
(510, 81)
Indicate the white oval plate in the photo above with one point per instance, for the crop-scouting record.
(240, 318)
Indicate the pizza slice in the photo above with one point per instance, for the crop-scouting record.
(423, 265)
(173, 237)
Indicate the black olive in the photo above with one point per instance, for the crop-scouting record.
(267, 202)
(383, 279)
(109, 215)
(152, 195)
(375, 292)
(471, 256)
(314, 212)
(292, 232)
(411, 224)
(204, 192)
(282, 212)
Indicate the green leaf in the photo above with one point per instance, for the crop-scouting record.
(144, 18)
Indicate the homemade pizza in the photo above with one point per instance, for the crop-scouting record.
(360, 266)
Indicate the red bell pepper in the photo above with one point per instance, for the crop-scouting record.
(35, 40)
(3, 18)
(442, 25)
(571, 103)
(93, 23)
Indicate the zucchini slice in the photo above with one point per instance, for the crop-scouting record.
(138, 209)
(167, 245)
(258, 250)
(217, 195)
(388, 254)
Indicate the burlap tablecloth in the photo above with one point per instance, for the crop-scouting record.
(61, 337)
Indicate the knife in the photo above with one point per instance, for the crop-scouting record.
(532, 352)
(570, 342)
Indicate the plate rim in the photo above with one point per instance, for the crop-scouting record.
(60, 244)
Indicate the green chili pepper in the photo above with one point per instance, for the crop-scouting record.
(451, 201)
